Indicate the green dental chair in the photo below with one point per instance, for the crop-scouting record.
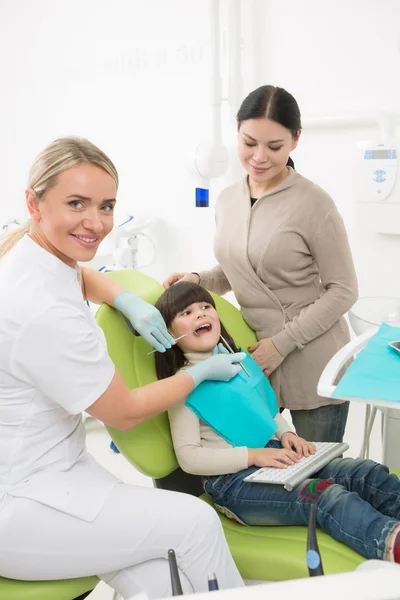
(261, 553)
(65, 589)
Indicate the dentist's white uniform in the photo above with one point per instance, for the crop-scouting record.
(61, 514)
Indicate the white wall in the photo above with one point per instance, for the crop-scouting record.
(339, 57)
(133, 76)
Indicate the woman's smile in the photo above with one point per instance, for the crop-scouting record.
(86, 241)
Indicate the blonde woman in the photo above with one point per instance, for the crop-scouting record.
(61, 514)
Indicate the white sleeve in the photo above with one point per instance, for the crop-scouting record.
(283, 426)
(60, 353)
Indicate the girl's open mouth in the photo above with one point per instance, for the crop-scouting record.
(203, 329)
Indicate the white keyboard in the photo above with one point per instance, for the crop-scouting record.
(292, 476)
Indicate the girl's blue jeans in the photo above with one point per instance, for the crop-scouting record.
(357, 501)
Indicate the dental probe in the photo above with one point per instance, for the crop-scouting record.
(232, 352)
(176, 340)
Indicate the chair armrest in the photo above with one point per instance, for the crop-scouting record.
(325, 385)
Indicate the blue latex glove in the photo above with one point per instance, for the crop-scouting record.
(146, 319)
(220, 349)
(219, 367)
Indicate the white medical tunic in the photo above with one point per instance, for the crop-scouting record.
(53, 365)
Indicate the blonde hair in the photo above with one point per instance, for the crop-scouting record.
(60, 155)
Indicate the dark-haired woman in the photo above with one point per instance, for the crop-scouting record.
(282, 248)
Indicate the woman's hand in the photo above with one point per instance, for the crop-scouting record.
(220, 366)
(175, 277)
(272, 457)
(266, 355)
(291, 441)
(146, 319)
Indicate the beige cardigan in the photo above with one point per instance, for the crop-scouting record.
(198, 448)
(288, 261)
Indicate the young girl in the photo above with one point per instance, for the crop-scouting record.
(357, 501)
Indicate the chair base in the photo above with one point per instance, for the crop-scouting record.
(83, 596)
(65, 589)
(179, 481)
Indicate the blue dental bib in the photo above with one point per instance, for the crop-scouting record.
(241, 410)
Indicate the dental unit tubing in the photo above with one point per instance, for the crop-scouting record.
(215, 91)
(211, 158)
(235, 87)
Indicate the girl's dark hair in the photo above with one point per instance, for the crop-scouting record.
(174, 300)
(273, 103)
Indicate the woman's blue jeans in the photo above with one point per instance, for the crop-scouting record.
(324, 424)
(357, 501)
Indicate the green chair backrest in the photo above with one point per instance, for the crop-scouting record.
(149, 446)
